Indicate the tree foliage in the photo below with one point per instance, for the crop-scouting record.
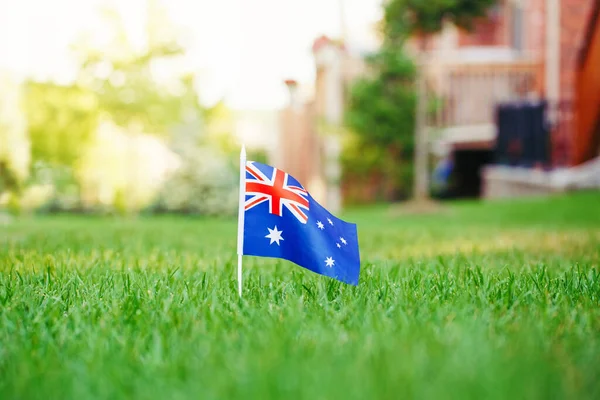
(133, 88)
(138, 89)
(381, 106)
(14, 144)
(61, 121)
(408, 17)
(380, 115)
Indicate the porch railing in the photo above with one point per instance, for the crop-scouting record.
(469, 92)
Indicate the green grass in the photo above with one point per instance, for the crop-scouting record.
(496, 300)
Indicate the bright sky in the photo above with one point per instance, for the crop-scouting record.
(241, 49)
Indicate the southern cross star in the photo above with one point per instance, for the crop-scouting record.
(330, 221)
(274, 235)
(338, 245)
(320, 225)
(329, 261)
(343, 240)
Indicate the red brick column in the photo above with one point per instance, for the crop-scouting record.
(574, 17)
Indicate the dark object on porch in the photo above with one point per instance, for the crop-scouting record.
(522, 134)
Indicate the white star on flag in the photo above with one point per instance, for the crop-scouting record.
(329, 261)
(338, 245)
(343, 240)
(274, 235)
(320, 225)
(330, 221)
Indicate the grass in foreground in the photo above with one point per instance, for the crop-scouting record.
(497, 300)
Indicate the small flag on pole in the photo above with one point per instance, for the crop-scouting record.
(279, 218)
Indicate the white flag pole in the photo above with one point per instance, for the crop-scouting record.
(240, 242)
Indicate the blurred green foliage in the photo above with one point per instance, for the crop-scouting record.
(129, 121)
(128, 85)
(14, 143)
(61, 121)
(381, 106)
(139, 87)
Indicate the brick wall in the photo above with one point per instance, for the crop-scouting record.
(587, 100)
(574, 17)
(489, 31)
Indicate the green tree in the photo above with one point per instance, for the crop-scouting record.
(381, 116)
(381, 106)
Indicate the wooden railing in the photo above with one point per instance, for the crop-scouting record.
(471, 91)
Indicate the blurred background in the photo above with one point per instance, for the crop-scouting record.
(141, 106)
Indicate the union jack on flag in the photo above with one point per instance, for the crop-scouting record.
(278, 190)
(282, 220)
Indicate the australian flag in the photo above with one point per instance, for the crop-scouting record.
(282, 220)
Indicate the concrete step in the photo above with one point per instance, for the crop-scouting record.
(500, 181)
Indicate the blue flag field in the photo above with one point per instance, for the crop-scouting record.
(282, 220)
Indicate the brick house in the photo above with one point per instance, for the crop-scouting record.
(523, 49)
